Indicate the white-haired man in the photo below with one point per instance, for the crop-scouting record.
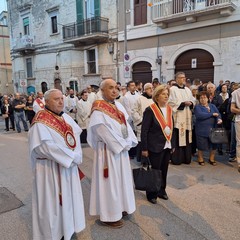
(55, 152)
(143, 101)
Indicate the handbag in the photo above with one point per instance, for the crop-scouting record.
(5, 115)
(147, 179)
(218, 135)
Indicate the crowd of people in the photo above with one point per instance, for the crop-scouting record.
(160, 122)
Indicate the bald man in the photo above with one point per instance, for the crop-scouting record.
(111, 136)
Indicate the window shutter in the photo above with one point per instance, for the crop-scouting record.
(79, 8)
(97, 8)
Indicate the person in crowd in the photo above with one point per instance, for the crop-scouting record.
(140, 105)
(217, 100)
(83, 114)
(157, 136)
(182, 102)
(55, 153)
(111, 136)
(223, 109)
(128, 102)
(231, 121)
(7, 112)
(91, 95)
(30, 113)
(194, 90)
(39, 102)
(207, 117)
(139, 87)
(19, 114)
(155, 83)
(235, 108)
(219, 87)
(171, 83)
(71, 105)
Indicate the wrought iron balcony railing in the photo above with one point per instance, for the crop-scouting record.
(165, 8)
(87, 27)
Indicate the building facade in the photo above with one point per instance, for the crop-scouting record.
(62, 43)
(199, 37)
(6, 83)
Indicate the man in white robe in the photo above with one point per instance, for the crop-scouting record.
(83, 114)
(55, 152)
(39, 102)
(71, 104)
(111, 136)
(182, 102)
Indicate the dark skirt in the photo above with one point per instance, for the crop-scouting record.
(204, 144)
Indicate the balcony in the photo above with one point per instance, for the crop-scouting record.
(23, 45)
(167, 12)
(89, 31)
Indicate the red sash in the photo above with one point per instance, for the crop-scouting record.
(40, 103)
(109, 109)
(65, 130)
(58, 124)
(164, 123)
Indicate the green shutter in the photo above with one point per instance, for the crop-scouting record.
(26, 21)
(97, 8)
(79, 7)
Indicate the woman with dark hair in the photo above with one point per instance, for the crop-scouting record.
(207, 117)
(156, 137)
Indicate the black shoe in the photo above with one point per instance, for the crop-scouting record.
(153, 201)
(26, 130)
(163, 196)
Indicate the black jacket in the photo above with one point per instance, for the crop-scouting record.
(152, 137)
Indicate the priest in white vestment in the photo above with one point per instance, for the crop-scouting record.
(83, 114)
(182, 102)
(39, 102)
(111, 136)
(55, 152)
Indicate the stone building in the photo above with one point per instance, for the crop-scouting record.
(6, 84)
(199, 37)
(62, 43)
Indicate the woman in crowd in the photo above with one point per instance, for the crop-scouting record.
(207, 117)
(29, 109)
(156, 137)
(7, 111)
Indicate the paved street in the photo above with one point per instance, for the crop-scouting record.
(204, 202)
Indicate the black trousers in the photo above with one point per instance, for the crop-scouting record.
(181, 154)
(11, 118)
(159, 161)
(83, 136)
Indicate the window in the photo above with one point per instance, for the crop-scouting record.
(29, 67)
(140, 12)
(91, 61)
(54, 24)
(26, 26)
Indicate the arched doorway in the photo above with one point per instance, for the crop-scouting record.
(57, 84)
(44, 87)
(141, 71)
(196, 63)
